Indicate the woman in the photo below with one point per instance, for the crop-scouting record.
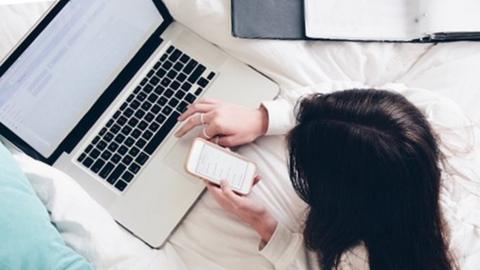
(365, 161)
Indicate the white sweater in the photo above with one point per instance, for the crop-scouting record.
(460, 192)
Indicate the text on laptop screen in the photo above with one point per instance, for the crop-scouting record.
(64, 71)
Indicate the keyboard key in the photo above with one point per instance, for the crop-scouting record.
(141, 97)
(95, 153)
(135, 104)
(133, 122)
(186, 86)
(167, 110)
(150, 73)
(146, 105)
(211, 75)
(156, 109)
(147, 135)
(139, 114)
(172, 74)
(154, 126)
(101, 145)
(152, 98)
(167, 65)
(190, 66)
(134, 151)
(184, 59)
(178, 66)
(123, 106)
(120, 185)
(102, 132)
(106, 170)
(159, 90)
(96, 139)
(122, 120)
(181, 77)
(119, 138)
(173, 102)
(134, 168)
(128, 112)
(129, 142)
(190, 98)
(110, 123)
(149, 117)
(170, 49)
(196, 74)
(162, 101)
(157, 65)
(136, 133)
(175, 85)
(154, 80)
(116, 173)
(108, 137)
(106, 154)
(81, 157)
(116, 115)
(169, 93)
(182, 107)
(143, 82)
(160, 118)
(198, 91)
(130, 97)
(203, 82)
(142, 158)
(127, 160)
(175, 55)
(88, 149)
(116, 158)
(97, 166)
(127, 177)
(126, 130)
(163, 58)
(148, 88)
(122, 150)
(166, 81)
(180, 94)
(87, 162)
(161, 134)
(140, 143)
(115, 129)
(137, 90)
(113, 147)
(161, 72)
(143, 125)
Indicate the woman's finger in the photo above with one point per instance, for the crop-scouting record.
(256, 180)
(209, 101)
(217, 194)
(210, 132)
(192, 122)
(196, 108)
(231, 196)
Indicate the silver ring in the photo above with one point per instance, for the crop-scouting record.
(204, 131)
(217, 139)
(202, 121)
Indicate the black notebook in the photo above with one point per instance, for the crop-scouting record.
(379, 20)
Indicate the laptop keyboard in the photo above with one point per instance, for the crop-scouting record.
(145, 118)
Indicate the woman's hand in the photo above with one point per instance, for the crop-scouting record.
(233, 125)
(249, 211)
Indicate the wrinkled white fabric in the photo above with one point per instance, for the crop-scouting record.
(211, 239)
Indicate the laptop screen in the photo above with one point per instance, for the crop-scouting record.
(63, 72)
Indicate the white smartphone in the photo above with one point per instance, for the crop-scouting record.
(214, 163)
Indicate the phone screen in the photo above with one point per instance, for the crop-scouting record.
(218, 165)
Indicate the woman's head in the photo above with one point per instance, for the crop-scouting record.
(366, 162)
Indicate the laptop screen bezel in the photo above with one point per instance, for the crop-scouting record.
(102, 103)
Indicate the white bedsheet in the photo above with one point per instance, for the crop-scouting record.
(210, 238)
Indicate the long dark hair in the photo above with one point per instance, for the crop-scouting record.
(367, 164)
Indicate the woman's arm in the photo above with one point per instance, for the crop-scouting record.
(235, 125)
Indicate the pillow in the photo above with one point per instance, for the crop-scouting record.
(28, 239)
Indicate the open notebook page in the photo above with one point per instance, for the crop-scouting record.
(364, 19)
(452, 16)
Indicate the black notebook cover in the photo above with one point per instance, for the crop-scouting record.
(277, 19)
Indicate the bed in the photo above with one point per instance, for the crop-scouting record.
(210, 238)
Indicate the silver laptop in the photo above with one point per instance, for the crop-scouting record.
(95, 90)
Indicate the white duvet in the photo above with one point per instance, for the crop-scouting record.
(209, 238)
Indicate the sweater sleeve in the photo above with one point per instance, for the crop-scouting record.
(284, 248)
(280, 116)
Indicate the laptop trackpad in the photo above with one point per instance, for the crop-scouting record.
(177, 156)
